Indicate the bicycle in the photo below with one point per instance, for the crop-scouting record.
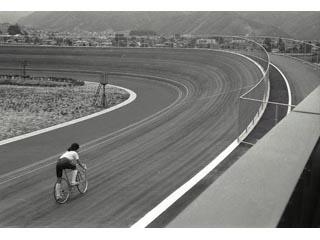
(66, 186)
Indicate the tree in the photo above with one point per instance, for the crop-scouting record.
(14, 29)
(281, 45)
(68, 42)
(267, 44)
(302, 47)
(36, 40)
(142, 33)
(59, 41)
(27, 39)
(220, 40)
(308, 47)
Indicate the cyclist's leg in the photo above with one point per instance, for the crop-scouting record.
(59, 168)
(63, 164)
(69, 165)
(74, 177)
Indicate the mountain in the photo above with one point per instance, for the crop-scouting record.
(298, 25)
(225, 23)
(12, 17)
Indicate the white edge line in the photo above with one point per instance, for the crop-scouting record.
(161, 207)
(26, 173)
(173, 197)
(288, 87)
(132, 97)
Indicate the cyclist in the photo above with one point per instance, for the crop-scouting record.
(68, 160)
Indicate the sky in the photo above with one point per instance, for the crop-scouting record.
(160, 5)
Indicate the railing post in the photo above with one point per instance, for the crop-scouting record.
(276, 114)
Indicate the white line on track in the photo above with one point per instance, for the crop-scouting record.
(288, 87)
(172, 198)
(28, 172)
(251, 144)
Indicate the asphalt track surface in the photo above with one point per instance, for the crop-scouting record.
(136, 155)
(303, 77)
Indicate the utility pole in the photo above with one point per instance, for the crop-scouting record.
(24, 64)
(104, 97)
(102, 84)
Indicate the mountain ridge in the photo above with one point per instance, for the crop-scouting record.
(12, 17)
(298, 25)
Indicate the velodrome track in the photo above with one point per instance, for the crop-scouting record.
(136, 155)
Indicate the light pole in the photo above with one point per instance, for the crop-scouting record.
(104, 97)
(24, 64)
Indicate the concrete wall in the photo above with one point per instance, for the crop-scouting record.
(255, 191)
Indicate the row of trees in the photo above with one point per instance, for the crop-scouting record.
(281, 46)
(142, 33)
(15, 29)
(120, 40)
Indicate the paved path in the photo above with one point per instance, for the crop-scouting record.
(303, 77)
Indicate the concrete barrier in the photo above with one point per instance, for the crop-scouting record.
(255, 191)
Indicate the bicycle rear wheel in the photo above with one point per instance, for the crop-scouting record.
(83, 183)
(65, 192)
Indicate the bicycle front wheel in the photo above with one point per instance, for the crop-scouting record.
(83, 183)
(64, 192)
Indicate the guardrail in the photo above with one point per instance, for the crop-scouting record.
(274, 184)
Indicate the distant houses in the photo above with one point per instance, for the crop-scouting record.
(206, 43)
(147, 38)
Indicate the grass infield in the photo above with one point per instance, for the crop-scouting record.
(25, 109)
